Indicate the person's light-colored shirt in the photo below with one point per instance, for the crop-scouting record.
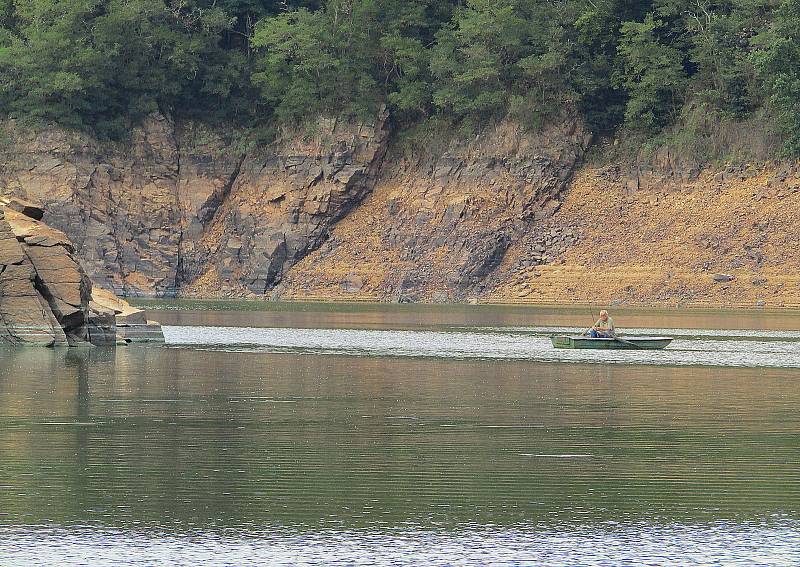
(607, 325)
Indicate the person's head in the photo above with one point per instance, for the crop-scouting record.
(604, 315)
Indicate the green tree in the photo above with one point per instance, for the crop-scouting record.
(716, 35)
(102, 63)
(473, 60)
(317, 61)
(602, 100)
(406, 76)
(349, 56)
(545, 76)
(652, 73)
(778, 63)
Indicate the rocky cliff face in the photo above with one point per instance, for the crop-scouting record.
(343, 212)
(178, 210)
(727, 236)
(279, 206)
(123, 206)
(44, 294)
(437, 226)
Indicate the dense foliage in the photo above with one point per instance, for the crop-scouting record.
(633, 64)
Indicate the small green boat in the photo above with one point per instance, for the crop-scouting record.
(630, 343)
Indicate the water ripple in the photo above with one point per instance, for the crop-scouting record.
(721, 543)
(753, 349)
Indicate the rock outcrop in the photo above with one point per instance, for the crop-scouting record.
(130, 324)
(46, 298)
(178, 210)
(438, 224)
(717, 240)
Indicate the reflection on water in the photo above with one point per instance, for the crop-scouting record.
(193, 453)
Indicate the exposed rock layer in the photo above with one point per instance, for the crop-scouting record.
(342, 213)
(727, 237)
(44, 293)
(280, 206)
(437, 226)
(179, 206)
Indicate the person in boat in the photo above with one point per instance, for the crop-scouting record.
(603, 328)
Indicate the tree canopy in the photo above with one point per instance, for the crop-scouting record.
(631, 64)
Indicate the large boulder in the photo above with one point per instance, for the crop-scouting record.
(46, 298)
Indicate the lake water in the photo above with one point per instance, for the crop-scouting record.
(267, 434)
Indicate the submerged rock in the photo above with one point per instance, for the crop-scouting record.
(131, 323)
(46, 298)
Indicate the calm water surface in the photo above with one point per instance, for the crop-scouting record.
(316, 434)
